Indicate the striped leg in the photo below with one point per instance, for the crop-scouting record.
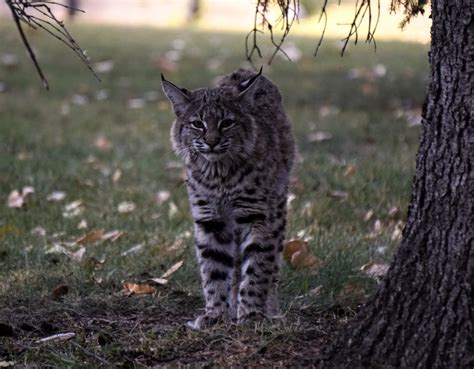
(259, 267)
(215, 252)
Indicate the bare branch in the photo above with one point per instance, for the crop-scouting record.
(37, 14)
(288, 15)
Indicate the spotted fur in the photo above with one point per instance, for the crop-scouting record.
(238, 148)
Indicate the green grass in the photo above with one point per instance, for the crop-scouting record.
(48, 143)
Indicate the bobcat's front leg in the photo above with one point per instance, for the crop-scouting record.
(260, 266)
(215, 252)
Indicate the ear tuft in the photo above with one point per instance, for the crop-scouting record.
(247, 87)
(179, 97)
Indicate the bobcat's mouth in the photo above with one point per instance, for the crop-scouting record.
(213, 155)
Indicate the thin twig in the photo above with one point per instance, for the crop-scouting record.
(27, 45)
(37, 14)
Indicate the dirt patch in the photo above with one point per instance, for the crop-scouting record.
(147, 331)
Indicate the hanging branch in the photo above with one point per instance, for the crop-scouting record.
(362, 7)
(289, 9)
(37, 14)
(288, 15)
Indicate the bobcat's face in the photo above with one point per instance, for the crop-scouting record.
(211, 123)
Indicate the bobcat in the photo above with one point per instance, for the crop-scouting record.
(238, 149)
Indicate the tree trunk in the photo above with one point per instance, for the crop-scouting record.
(422, 315)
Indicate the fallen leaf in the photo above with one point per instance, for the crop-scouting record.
(375, 270)
(104, 66)
(79, 100)
(57, 337)
(73, 209)
(394, 212)
(368, 215)
(39, 231)
(376, 231)
(339, 194)
(82, 224)
(92, 263)
(353, 292)
(116, 176)
(315, 291)
(173, 269)
(350, 170)
(397, 231)
(161, 197)
(17, 198)
(78, 255)
(319, 136)
(164, 63)
(301, 259)
(60, 291)
(173, 210)
(112, 236)
(133, 250)
(161, 281)
(136, 103)
(137, 289)
(9, 60)
(6, 364)
(92, 236)
(103, 143)
(126, 207)
(56, 196)
(290, 199)
(298, 255)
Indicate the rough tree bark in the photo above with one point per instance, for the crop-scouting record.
(422, 315)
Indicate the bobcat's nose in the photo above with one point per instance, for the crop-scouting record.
(212, 142)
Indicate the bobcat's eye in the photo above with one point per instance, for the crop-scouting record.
(198, 124)
(226, 123)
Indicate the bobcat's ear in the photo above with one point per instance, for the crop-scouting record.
(179, 97)
(247, 87)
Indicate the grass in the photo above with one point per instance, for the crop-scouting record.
(49, 143)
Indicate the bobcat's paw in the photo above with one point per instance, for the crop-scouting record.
(203, 322)
(252, 317)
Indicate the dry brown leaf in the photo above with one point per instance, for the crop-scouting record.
(116, 176)
(78, 255)
(373, 269)
(298, 255)
(394, 212)
(319, 136)
(353, 292)
(161, 281)
(161, 197)
(350, 170)
(73, 209)
(56, 196)
(126, 207)
(60, 291)
(137, 289)
(133, 250)
(173, 269)
(397, 231)
(112, 236)
(368, 215)
(82, 224)
(17, 198)
(92, 263)
(93, 236)
(339, 194)
(301, 259)
(102, 143)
